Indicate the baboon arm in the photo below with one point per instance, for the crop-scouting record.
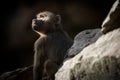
(38, 65)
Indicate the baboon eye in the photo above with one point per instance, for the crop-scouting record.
(45, 15)
(41, 16)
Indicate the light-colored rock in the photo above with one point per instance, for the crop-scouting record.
(112, 21)
(84, 39)
(98, 61)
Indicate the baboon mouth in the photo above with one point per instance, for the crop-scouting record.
(35, 27)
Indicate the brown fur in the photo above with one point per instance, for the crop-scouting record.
(51, 47)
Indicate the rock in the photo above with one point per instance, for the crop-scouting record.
(84, 39)
(98, 61)
(18, 74)
(112, 21)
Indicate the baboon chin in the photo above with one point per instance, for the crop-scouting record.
(51, 46)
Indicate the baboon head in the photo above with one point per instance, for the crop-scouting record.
(46, 22)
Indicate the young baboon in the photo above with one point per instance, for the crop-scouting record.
(51, 46)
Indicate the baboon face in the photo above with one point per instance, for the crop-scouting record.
(44, 22)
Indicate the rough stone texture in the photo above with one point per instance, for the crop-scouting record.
(112, 21)
(84, 39)
(98, 61)
(18, 74)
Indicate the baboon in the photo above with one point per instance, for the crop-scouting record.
(51, 46)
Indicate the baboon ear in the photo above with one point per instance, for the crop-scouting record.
(58, 19)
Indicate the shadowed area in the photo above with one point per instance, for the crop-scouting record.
(17, 37)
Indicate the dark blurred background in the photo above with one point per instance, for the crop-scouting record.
(17, 37)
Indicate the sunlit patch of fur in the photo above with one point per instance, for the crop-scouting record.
(42, 34)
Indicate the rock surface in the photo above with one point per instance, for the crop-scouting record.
(112, 21)
(94, 60)
(98, 61)
(18, 74)
(84, 39)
